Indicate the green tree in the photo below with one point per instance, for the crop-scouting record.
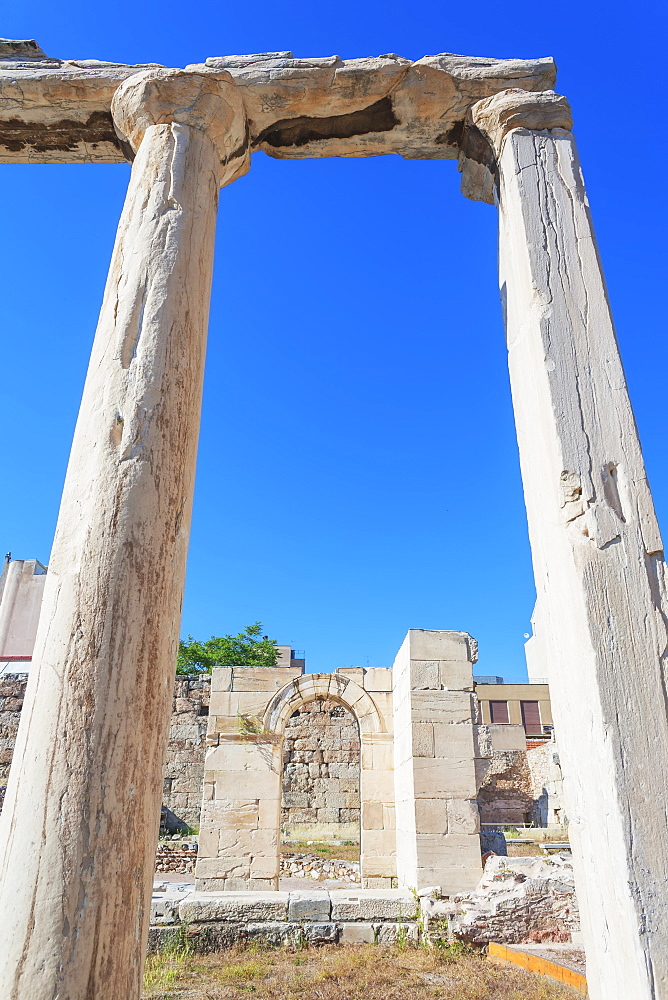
(248, 649)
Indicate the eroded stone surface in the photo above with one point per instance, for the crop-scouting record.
(56, 110)
(517, 900)
(103, 666)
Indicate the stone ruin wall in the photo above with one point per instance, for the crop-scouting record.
(321, 761)
(184, 764)
(522, 787)
(183, 773)
(321, 766)
(12, 691)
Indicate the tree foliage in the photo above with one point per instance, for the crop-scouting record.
(248, 649)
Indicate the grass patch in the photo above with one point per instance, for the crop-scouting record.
(343, 973)
(524, 851)
(321, 849)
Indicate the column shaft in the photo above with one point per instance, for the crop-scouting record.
(598, 561)
(80, 824)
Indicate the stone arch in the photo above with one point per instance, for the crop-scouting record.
(307, 688)
(376, 779)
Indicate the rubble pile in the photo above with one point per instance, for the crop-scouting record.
(177, 857)
(518, 901)
(310, 866)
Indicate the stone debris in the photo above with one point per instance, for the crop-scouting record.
(176, 857)
(518, 900)
(310, 866)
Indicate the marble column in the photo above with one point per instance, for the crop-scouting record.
(79, 827)
(596, 548)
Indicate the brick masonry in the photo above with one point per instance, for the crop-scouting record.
(321, 760)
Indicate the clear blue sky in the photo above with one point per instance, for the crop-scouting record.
(358, 472)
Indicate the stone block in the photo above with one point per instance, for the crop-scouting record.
(321, 933)
(269, 811)
(234, 906)
(377, 786)
(424, 675)
(222, 868)
(208, 843)
(453, 740)
(441, 706)
(371, 904)
(506, 738)
(423, 739)
(263, 679)
(235, 814)
(275, 934)
(463, 816)
(306, 816)
(372, 816)
(427, 644)
(456, 675)
(328, 815)
(264, 866)
(263, 841)
(377, 679)
(224, 703)
(221, 680)
(431, 816)
(377, 866)
(336, 800)
(261, 784)
(239, 756)
(438, 778)
(398, 933)
(352, 673)
(379, 843)
(307, 904)
(357, 933)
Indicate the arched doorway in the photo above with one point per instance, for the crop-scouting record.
(320, 803)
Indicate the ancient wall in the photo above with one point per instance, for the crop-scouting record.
(522, 787)
(12, 690)
(184, 763)
(321, 784)
(506, 796)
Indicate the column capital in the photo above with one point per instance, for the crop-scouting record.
(487, 124)
(209, 102)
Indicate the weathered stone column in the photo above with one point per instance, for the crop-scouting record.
(597, 551)
(80, 823)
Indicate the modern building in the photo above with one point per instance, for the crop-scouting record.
(525, 705)
(21, 589)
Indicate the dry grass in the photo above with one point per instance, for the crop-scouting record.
(343, 973)
(524, 851)
(321, 849)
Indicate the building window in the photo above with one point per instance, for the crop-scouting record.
(498, 711)
(531, 718)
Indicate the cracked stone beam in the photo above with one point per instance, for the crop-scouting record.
(79, 828)
(55, 111)
(597, 552)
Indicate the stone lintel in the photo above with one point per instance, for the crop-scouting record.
(55, 111)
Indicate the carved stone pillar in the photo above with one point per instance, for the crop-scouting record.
(80, 824)
(596, 547)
